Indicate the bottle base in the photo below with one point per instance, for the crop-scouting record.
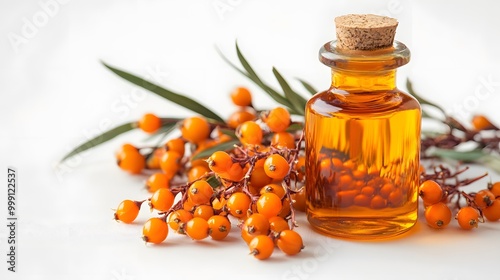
(363, 228)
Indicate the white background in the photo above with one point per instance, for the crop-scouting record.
(55, 94)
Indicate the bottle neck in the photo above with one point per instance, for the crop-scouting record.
(363, 81)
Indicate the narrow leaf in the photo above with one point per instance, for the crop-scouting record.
(297, 101)
(492, 161)
(420, 99)
(308, 87)
(228, 132)
(255, 78)
(179, 99)
(106, 136)
(225, 146)
(163, 131)
(466, 156)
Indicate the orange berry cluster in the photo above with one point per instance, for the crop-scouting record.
(440, 199)
(257, 184)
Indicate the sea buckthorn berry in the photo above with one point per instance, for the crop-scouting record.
(368, 191)
(204, 211)
(276, 167)
(219, 162)
(157, 181)
(468, 217)
(162, 200)
(283, 140)
(218, 227)
(126, 148)
(300, 167)
(127, 211)
(179, 217)
(430, 192)
(256, 224)
(285, 209)
(188, 205)
(132, 161)
(492, 212)
(200, 192)
(239, 117)
(273, 188)
(218, 203)
(484, 198)
(269, 205)
(362, 200)
(197, 228)
(290, 242)
(378, 202)
(278, 119)
(261, 247)
(238, 204)
(196, 172)
(346, 198)
(241, 97)
(495, 189)
(386, 190)
(153, 162)
(480, 122)
(395, 198)
(170, 163)
(155, 230)
(438, 215)
(195, 129)
(236, 172)
(259, 178)
(176, 145)
(249, 133)
(299, 199)
(149, 123)
(278, 224)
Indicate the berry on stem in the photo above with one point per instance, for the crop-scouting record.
(468, 217)
(290, 242)
(261, 247)
(149, 123)
(127, 211)
(155, 230)
(438, 215)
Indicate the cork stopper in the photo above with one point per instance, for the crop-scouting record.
(365, 32)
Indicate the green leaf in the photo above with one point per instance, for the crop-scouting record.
(465, 156)
(420, 99)
(308, 87)
(213, 182)
(106, 136)
(225, 146)
(179, 99)
(228, 132)
(255, 78)
(297, 101)
(492, 161)
(295, 127)
(168, 125)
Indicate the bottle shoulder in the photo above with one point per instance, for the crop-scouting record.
(334, 101)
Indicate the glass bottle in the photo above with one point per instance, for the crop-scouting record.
(362, 139)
